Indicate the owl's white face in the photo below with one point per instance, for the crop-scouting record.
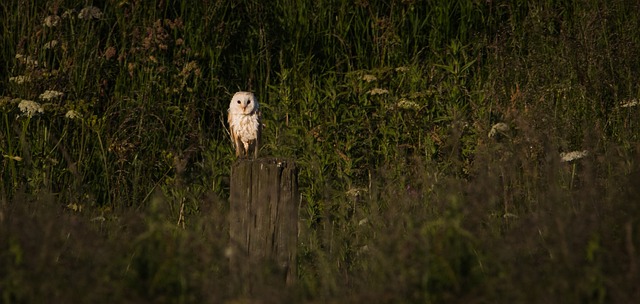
(243, 103)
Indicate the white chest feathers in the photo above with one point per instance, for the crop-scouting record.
(245, 127)
(244, 124)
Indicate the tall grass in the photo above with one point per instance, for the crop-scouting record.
(117, 189)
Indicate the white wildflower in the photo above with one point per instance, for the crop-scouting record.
(631, 103)
(573, 155)
(71, 114)
(499, 128)
(29, 107)
(90, 12)
(406, 104)
(51, 44)
(50, 94)
(51, 21)
(20, 79)
(378, 91)
(369, 78)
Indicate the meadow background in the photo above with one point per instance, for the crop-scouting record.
(433, 140)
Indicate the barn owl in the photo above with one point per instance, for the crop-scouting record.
(244, 124)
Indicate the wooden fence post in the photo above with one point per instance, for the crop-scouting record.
(263, 218)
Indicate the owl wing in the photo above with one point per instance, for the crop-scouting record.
(259, 113)
(233, 133)
(258, 134)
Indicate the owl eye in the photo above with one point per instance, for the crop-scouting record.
(249, 101)
(238, 101)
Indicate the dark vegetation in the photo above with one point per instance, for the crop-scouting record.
(431, 138)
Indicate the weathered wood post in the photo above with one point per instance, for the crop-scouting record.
(263, 218)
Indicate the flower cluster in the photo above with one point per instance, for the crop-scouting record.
(27, 60)
(378, 91)
(71, 114)
(30, 107)
(573, 155)
(369, 78)
(406, 104)
(49, 94)
(20, 79)
(90, 12)
(51, 21)
(630, 103)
